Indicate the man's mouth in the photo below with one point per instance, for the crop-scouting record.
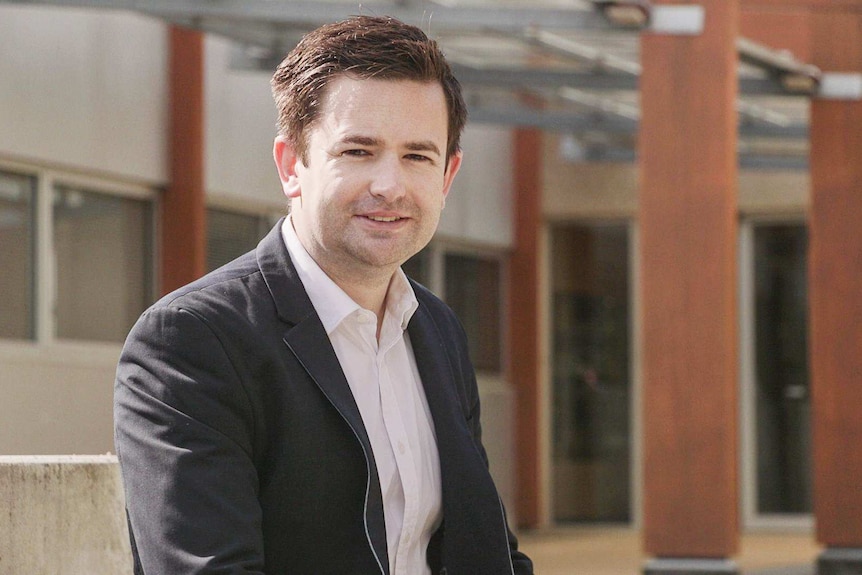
(383, 218)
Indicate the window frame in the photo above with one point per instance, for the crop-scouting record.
(47, 180)
(23, 172)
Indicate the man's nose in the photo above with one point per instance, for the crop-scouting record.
(387, 181)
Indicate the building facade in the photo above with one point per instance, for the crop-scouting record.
(562, 269)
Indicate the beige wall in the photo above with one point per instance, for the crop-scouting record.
(579, 190)
(574, 191)
(83, 89)
(774, 193)
(479, 207)
(56, 398)
(240, 128)
(498, 435)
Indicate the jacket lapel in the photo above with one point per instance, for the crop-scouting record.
(307, 340)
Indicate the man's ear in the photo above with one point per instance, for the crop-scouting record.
(285, 161)
(452, 168)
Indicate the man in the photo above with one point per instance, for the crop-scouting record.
(307, 409)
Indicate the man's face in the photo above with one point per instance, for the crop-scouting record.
(376, 178)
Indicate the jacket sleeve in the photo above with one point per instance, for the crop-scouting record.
(184, 431)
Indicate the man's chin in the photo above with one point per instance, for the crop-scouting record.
(384, 260)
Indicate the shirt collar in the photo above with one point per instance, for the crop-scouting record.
(330, 302)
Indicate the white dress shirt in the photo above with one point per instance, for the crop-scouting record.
(385, 382)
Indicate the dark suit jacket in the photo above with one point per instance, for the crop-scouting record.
(242, 449)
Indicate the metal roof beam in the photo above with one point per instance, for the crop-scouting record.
(565, 121)
(265, 23)
(795, 77)
(511, 77)
(556, 121)
(312, 13)
(590, 153)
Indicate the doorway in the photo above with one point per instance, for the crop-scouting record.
(775, 375)
(591, 374)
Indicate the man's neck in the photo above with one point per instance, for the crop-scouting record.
(369, 293)
(368, 290)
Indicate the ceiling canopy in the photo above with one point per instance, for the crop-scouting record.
(579, 58)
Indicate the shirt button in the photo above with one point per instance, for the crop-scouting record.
(401, 448)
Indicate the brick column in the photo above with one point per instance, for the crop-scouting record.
(524, 321)
(835, 288)
(183, 237)
(688, 229)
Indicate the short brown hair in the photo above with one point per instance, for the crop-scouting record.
(365, 47)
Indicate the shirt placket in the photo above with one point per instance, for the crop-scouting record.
(404, 461)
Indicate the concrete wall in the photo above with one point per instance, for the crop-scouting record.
(62, 515)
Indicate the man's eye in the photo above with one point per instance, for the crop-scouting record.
(418, 157)
(355, 152)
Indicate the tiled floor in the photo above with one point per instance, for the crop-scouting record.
(610, 551)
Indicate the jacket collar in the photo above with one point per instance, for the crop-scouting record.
(291, 302)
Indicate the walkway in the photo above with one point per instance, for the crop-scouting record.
(617, 551)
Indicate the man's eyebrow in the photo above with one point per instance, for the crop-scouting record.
(423, 146)
(361, 140)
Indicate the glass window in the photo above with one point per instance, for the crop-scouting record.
(781, 356)
(17, 231)
(231, 234)
(473, 291)
(591, 378)
(104, 258)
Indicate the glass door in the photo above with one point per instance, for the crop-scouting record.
(591, 450)
(775, 372)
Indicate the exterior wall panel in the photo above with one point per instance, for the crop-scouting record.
(84, 90)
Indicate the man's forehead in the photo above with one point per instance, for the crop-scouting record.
(391, 112)
(345, 91)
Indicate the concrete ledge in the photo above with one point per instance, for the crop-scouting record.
(691, 567)
(62, 515)
(840, 561)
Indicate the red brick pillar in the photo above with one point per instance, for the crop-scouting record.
(688, 230)
(183, 226)
(835, 291)
(524, 321)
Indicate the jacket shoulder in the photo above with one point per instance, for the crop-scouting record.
(226, 286)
